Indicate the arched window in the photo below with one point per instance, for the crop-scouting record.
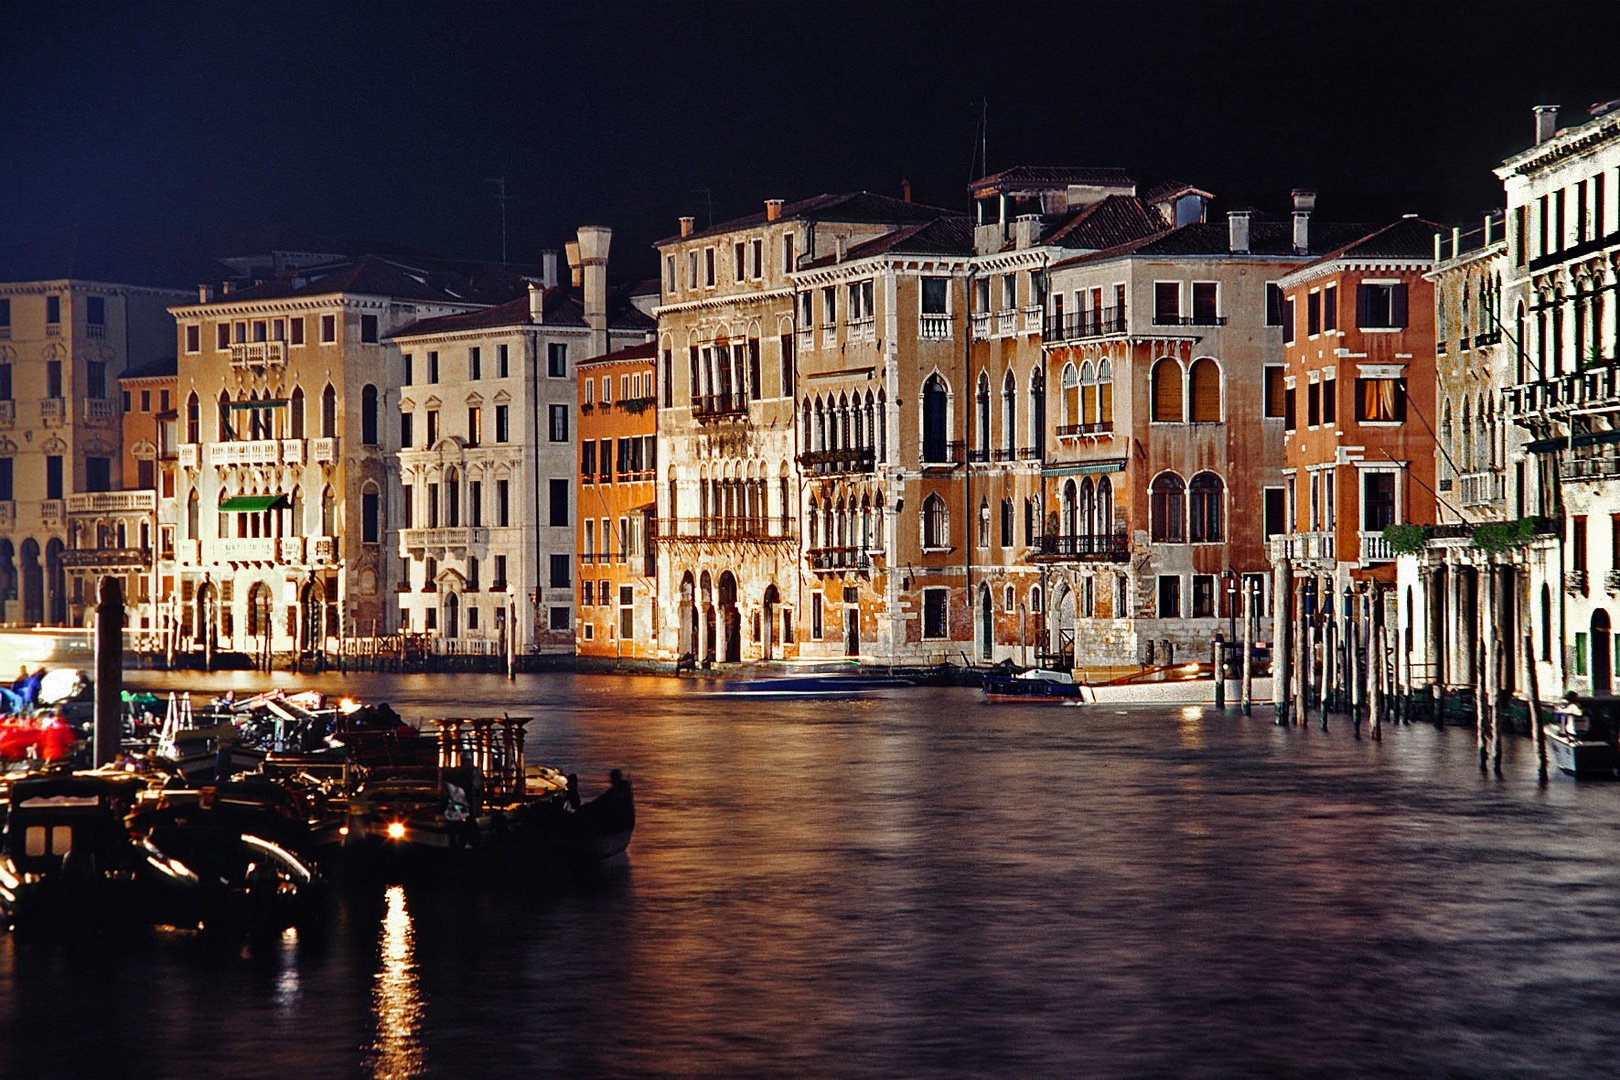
(193, 506)
(1071, 397)
(370, 514)
(328, 412)
(1465, 460)
(1037, 411)
(452, 611)
(935, 417)
(812, 523)
(1006, 523)
(1205, 378)
(194, 419)
(223, 428)
(984, 522)
(1009, 416)
(295, 414)
(452, 498)
(982, 413)
(1167, 391)
(1546, 622)
(1206, 494)
(295, 513)
(1167, 509)
(871, 420)
(1088, 394)
(1071, 509)
(1448, 448)
(934, 525)
(1518, 344)
(1087, 524)
(1105, 394)
(328, 513)
(1105, 506)
(368, 415)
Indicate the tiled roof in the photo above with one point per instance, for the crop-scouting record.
(1118, 219)
(425, 280)
(1408, 238)
(563, 307)
(151, 258)
(1047, 174)
(645, 351)
(948, 235)
(1209, 238)
(164, 368)
(860, 207)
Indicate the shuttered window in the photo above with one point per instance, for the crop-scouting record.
(1206, 392)
(1167, 391)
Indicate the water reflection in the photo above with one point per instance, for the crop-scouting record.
(396, 999)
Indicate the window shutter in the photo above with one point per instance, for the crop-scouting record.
(1398, 305)
(1167, 391)
(1206, 392)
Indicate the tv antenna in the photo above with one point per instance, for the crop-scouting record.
(500, 197)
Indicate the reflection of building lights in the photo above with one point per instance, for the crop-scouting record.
(343, 830)
(398, 1005)
(396, 830)
(348, 705)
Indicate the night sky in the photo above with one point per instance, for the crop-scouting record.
(380, 124)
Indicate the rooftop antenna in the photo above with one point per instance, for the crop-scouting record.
(708, 194)
(981, 156)
(500, 186)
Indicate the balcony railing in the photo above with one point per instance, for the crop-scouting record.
(1590, 466)
(1596, 387)
(290, 550)
(8, 514)
(1575, 582)
(1085, 324)
(323, 451)
(53, 410)
(8, 412)
(1100, 547)
(457, 537)
(111, 502)
(248, 549)
(722, 529)
(1481, 488)
(100, 410)
(1611, 582)
(325, 549)
(1071, 431)
(934, 327)
(1164, 319)
(292, 451)
(254, 452)
(1374, 548)
(107, 558)
(831, 462)
(839, 558)
(53, 511)
(719, 406)
(258, 353)
(861, 330)
(188, 455)
(942, 456)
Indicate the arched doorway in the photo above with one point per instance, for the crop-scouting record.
(8, 579)
(202, 627)
(1063, 634)
(689, 619)
(258, 611)
(768, 639)
(312, 603)
(1602, 654)
(33, 584)
(731, 619)
(706, 601)
(452, 613)
(987, 620)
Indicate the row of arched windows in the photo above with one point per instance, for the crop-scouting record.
(254, 418)
(844, 522)
(1468, 442)
(288, 519)
(845, 422)
(1197, 398)
(996, 422)
(1179, 512)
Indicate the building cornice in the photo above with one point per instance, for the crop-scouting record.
(1317, 271)
(34, 288)
(1570, 143)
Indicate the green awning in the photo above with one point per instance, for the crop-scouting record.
(1082, 468)
(252, 504)
(1595, 438)
(272, 403)
(1546, 446)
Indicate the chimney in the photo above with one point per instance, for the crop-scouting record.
(1237, 231)
(686, 225)
(905, 190)
(204, 294)
(548, 268)
(1546, 122)
(537, 301)
(593, 257)
(773, 212)
(575, 277)
(1304, 203)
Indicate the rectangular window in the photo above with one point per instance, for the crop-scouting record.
(561, 571)
(1380, 400)
(53, 309)
(95, 311)
(503, 362)
(432, 428)
(53, 378)
(98, 474)
(1577, 542)
(433, 506)
(328, 328)
(1330, 308)
(1203, 596)
(1330, 400)
(669, 273)
(475, 426)
(53, 476)
(503, 503)
(606, 460)
(815, 616)
(503, 430)
(558, 415)
(433, 367)
(5, 314)
(787, 253)
(936, 613)
(738, 255)
(1381, 306)
(708, 266)
(500, 569)
(1288, 408)
(95, 379)
(406, 430)
(1288, 320)
(1169, 596)
(368, 329)
(587, 461)
(607, 389)
(193, 339)
(222, 336)
(1313, 404)
(475, 363)
(1378, 500)
(370, 518)
(1167, 302)
(405, 361)
(559, 502)
(1313, 314)
(146, 401)
(935, 296)
(475, 503)
(405, 508)
(1580, 643)
(557, 359)
(757, 258)
(829, 305)
(785, 345)
(1274, 304)
(295, 330)
(1206, 303)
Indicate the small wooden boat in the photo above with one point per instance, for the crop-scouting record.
(1585, 740)
(823, 680)
(1037, 685)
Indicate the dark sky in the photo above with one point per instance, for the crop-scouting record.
(381, 123)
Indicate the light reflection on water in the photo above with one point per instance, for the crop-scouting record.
(922, 886)
(396, 999)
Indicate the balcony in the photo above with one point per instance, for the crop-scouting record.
(247, 549)
(461, 537)
(1590, 466)
(8, 413)
(108, 558)
(290, 550)
(1006, 323)
(862, 330)
(706, 407)
(1481, 488)
(1031, 320)
(8, 514)
(1575, 582)
(292, 451)
(1374, 548)
(258, 353)
(1202, 319)
(1074, 431)
(188, 455)
(323, 451)
(1085, 324)
(942, 455)
(934, 327)
(1099, 547)
(1594, 388)
(54, 512)
(832, 559)
(708, 529)
(1611, 582)
(111, 502)
(325, 549)
(187, 552)
(100, 411)
(53, 410)
(256, 452)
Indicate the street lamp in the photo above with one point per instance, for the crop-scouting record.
(1231, 603)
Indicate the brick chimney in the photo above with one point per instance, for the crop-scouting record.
(1546, 122)
(773, 210)
(686, 225)
(594, 241)
(905, 190)
(575, 277)
(1237, 231)
(1304, 203)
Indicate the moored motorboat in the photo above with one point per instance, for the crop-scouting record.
(1037, 685)
(1585, 739)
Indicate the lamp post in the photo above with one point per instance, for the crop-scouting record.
(1231, 603)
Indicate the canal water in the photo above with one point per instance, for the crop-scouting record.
(919, 885)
